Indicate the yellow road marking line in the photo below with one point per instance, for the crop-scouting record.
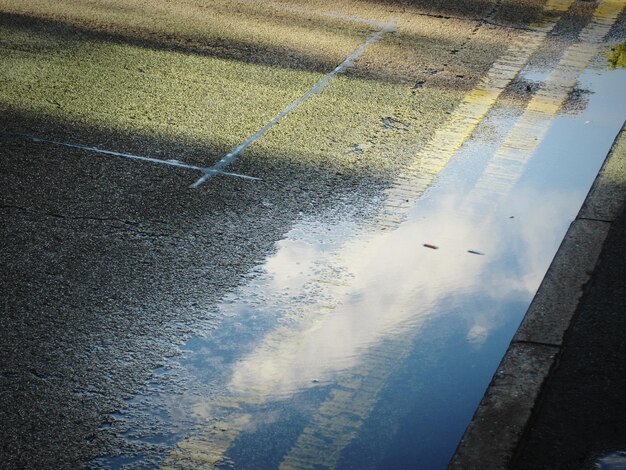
(509, 161)
(438, 152)
(206, 451)
(341, 416)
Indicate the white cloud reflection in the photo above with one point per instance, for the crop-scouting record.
(396, 284)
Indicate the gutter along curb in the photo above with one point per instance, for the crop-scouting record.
(502, 417)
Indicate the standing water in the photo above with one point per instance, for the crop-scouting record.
(369, 345)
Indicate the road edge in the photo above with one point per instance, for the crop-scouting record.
(500, 421)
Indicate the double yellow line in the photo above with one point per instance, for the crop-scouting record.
(509, 161)
(437, 153)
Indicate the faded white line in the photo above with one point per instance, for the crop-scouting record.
(111, 153)
(317, 88)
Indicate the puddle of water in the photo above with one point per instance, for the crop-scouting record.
(611, 461)
(534, 75)
(359, 348)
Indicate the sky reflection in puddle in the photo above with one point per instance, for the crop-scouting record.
(365, 348)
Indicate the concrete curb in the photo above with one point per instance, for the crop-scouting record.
(493, 435)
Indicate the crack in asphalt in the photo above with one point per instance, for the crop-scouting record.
(78, 217)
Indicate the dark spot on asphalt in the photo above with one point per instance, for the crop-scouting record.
(393, 123)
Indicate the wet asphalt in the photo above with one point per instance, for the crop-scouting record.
(107, 267)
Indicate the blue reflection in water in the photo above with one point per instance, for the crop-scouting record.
(366, 349)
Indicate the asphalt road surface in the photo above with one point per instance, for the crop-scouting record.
(165, 166)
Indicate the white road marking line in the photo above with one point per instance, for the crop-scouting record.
(317, 88)
(111, 153)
